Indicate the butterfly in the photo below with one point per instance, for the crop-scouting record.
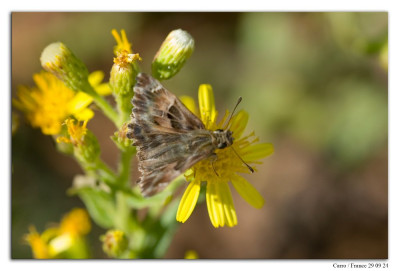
(168, 137)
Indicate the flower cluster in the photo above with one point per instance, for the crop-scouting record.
(62, 103)
(50, 102)
(67, 240)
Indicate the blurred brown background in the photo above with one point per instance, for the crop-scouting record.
(314, 84)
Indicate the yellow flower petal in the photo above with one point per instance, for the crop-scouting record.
(122, 42)
(227, 203)
(42, 79)
(26, 102)
(214, 204)
(190, 104)
(213, 210)
(239, 122)
(189, 174)
(85, 114)
(51, 128)
(103, 89)
(247, 191)
(76, 222)
(188, 201)
(19, 105)
(257, 151)
(95, 78)
(39, 247)
(116, 36)
(79, 102)
(207, 105)
(222, 121)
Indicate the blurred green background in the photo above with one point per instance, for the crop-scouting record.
(315, 85)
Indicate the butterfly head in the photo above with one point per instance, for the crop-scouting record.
(223, 138)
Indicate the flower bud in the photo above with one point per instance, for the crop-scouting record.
(89, 151)
(121, 139)
(59, 60)
(172, 55)
(114, 243)
(122, 80)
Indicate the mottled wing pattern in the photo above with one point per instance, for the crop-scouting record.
(169, 138)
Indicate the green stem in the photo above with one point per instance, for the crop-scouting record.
(125, 166)
(123, 219)
(104, 172)
(124, 107)
(124, 117)
(169, 222)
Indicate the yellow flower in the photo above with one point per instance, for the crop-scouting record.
(72, 228)
(218, 173)
(122, 42)
(50, 102)
(76, 133)
(124, 59)
(76, 222)
(67, 237)
(38, 245)
(191, 255)
(115, 243)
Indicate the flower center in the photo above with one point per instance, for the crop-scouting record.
(219, 168)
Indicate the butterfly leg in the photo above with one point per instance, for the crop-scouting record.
(213, 157)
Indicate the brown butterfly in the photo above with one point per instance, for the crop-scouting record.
(169, 138)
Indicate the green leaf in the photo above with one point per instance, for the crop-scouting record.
(137, 201)
(99, 204)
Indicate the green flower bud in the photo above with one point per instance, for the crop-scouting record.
(120, 138)
(123, 73)
(114, 243)
(172, 55)
(88, 151)
(59, 60)
(122, 80)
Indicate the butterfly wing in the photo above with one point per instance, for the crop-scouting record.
(169, 138)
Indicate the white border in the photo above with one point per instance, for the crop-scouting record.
(203, 5)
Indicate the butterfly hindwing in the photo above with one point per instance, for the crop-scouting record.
(169, 138)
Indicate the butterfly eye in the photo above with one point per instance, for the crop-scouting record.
(222, 145)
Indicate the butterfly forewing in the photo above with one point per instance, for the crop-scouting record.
(169, 138)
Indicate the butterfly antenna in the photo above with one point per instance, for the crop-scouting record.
(237, 103)
(249, 167)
